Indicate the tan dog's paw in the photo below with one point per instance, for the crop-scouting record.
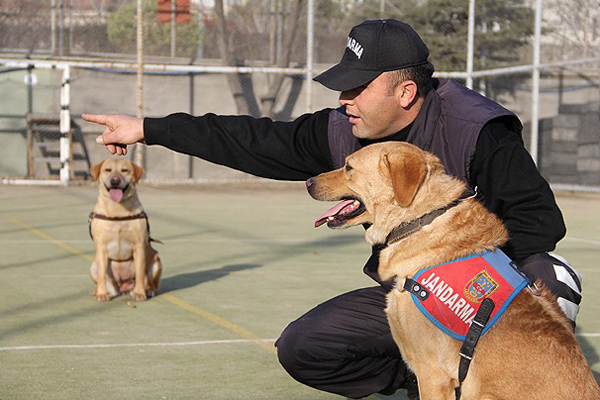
(102, 297)
(93, 292)
(139, 296)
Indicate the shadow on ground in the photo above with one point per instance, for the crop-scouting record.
(191, 279)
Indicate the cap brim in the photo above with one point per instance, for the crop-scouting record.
(341, 77)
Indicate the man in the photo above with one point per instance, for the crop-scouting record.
(344, 345)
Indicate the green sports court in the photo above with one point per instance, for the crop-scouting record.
(240, 262)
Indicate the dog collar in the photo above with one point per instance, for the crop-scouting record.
(408, 228)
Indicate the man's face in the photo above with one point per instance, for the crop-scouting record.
(375, 111)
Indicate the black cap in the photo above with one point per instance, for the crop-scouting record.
(375, 47)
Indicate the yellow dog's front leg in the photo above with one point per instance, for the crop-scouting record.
(139, 264)
(102, 263)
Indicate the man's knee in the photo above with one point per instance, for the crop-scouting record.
(561, 278)
(291, 352)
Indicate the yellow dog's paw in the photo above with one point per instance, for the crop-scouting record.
(102, 297)
(139, 296)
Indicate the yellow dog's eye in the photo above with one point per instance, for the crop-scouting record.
(124, 170)
(108, 169)
(348, 168)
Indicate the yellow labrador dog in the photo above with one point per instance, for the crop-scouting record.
(417, 214)
(125, 261)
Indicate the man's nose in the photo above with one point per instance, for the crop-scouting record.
(346, 98)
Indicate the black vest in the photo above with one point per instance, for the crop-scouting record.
(448, 125)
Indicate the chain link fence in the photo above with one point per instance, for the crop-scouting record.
(257, 58)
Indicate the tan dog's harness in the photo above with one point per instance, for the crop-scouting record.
(128, 218)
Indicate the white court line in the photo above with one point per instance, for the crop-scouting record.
(168, 344)
(280, 240)
(202, 240)
(102, 346)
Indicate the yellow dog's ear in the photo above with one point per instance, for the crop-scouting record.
(407, 171)
(138, 172)
(95, 171)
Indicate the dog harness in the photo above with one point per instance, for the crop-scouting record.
(450, 294)
(465, 297)
(128, 218)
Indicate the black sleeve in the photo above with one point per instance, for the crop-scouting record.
(513, 188)
(293, 150)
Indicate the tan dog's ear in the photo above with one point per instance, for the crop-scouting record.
(95, 171)
(407, 171)
(138, 172)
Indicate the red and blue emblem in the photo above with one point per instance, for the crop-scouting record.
(480, 287)
(457, 288)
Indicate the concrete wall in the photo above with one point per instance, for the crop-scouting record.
(570, 146)
(569, 136)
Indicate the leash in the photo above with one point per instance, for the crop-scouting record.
(141, 215)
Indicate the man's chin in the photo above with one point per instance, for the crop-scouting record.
(359, 133)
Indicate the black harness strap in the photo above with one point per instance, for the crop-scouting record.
(468, 347)
(107, 218)
(416, 288)
(128, 218)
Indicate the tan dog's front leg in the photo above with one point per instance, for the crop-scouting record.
(435, 385)
(139, 264)
(102, 268)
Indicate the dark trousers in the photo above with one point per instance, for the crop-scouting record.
(344, 346)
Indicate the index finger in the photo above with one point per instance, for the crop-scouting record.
(97, 118)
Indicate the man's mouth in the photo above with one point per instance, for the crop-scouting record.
(353, 119)
(339, 214)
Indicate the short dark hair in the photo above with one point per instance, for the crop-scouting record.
(421, 75)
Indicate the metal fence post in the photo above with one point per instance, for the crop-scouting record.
(535, 83)
(309, 53)
(470, 44)
(139, 155)
(65, 126)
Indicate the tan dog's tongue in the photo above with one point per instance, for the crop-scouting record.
(333, 211)
(116, 195)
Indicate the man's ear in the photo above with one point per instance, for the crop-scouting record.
(95, 171)
(138, 172)
(407, 171)
(408, 93)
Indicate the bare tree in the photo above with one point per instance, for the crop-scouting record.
(240, 84)
(268, 100)
(576, 25)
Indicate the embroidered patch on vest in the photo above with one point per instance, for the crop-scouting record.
(457, 289)
(480, 287)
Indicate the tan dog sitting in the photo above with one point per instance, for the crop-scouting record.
(125, 261)
(419, 217)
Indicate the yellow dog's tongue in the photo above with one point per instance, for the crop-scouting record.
(116, 195)
(333, 211)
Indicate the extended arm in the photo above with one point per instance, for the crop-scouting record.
(293, 150)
